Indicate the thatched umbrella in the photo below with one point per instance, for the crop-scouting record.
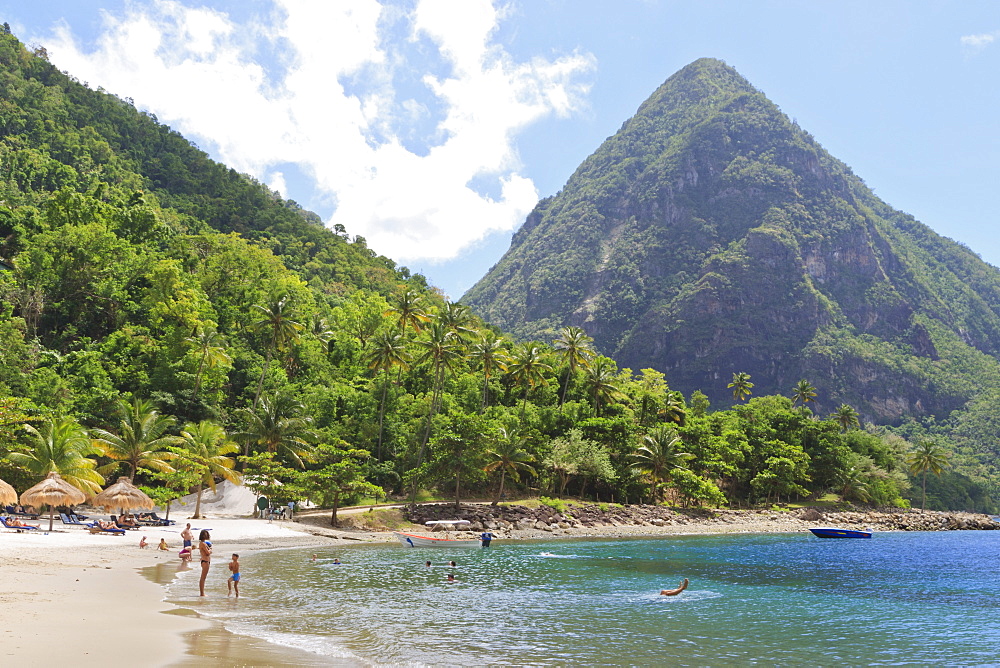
(123, 494)
(8, 495)
(52, 492)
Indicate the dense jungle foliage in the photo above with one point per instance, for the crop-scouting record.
(165, 318)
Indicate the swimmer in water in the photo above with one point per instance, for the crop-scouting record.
(674, 592)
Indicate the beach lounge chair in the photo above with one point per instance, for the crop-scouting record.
(72, 520)
(162, 521)
(19, 511)
(24, 527)
(98, 529)
(114, 518)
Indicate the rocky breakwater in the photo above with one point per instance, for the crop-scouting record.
(614, 520)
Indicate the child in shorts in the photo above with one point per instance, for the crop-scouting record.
(234, 579)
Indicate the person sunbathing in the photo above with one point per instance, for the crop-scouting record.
(14, 522)
(127, 521)
(107, 525)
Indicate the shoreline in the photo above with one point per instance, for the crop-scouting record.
(67, 585)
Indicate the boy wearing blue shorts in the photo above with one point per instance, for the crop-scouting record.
(234, 579)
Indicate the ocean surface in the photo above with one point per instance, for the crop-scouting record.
(772, 599)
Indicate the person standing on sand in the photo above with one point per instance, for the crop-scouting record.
(205, 550)
(234, 579)
(186, 535)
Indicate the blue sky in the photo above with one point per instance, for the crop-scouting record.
(431, 127)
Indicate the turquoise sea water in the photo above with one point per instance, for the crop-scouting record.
(772, 599)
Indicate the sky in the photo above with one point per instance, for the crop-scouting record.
(432, 127)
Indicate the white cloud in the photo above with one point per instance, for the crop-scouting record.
(979, 41)
(392, 112)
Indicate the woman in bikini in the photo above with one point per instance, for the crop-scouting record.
(205, 550)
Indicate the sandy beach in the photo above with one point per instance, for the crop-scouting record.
(73, 597)
(99, 599)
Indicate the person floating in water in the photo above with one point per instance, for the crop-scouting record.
(427, 564)
(336, 560)
(674, 592)
(451, 578)
(452, 564)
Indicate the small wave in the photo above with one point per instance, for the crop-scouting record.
(312, 644)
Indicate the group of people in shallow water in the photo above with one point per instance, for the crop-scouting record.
(451, 576)
(205, 559)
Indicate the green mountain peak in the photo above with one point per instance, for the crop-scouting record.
(711, 235)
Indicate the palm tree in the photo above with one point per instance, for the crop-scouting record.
(509, 457)
(659, 455)
(846, 417)
(853, 484)
(928, 456)
(281, 330)
(741, 386)
(803, 392)
(278, 425)
(527, 367)
(490, 352)
(458, 318)
(674, 409)
(386, 352)
(141, 437)
(204, 448)
(409, 312)
(60, 444)
(211, 355)
(442, 350)
(574, 346)
(320, 328)
(600, 380)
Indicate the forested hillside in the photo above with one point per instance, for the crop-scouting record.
(166, 318)
(711, 235)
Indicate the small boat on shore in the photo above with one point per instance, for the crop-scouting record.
(413, 540)
(830, 532)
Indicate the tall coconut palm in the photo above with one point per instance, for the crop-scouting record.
(600, 380)
(204, 446)
(281, 330)
(61, 445)
(510, 458)
(458, 318)
(846, 417)
(527, 367)
(387, 350)
(278, 425)
(141, 439)
(804, 392)
(442, 350)
(659, 455)
(491, 354)
(928, 457)
(575, 348)
(408, 310)
(210, 354)
(740, 386)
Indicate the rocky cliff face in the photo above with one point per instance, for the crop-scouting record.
(712, 235)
